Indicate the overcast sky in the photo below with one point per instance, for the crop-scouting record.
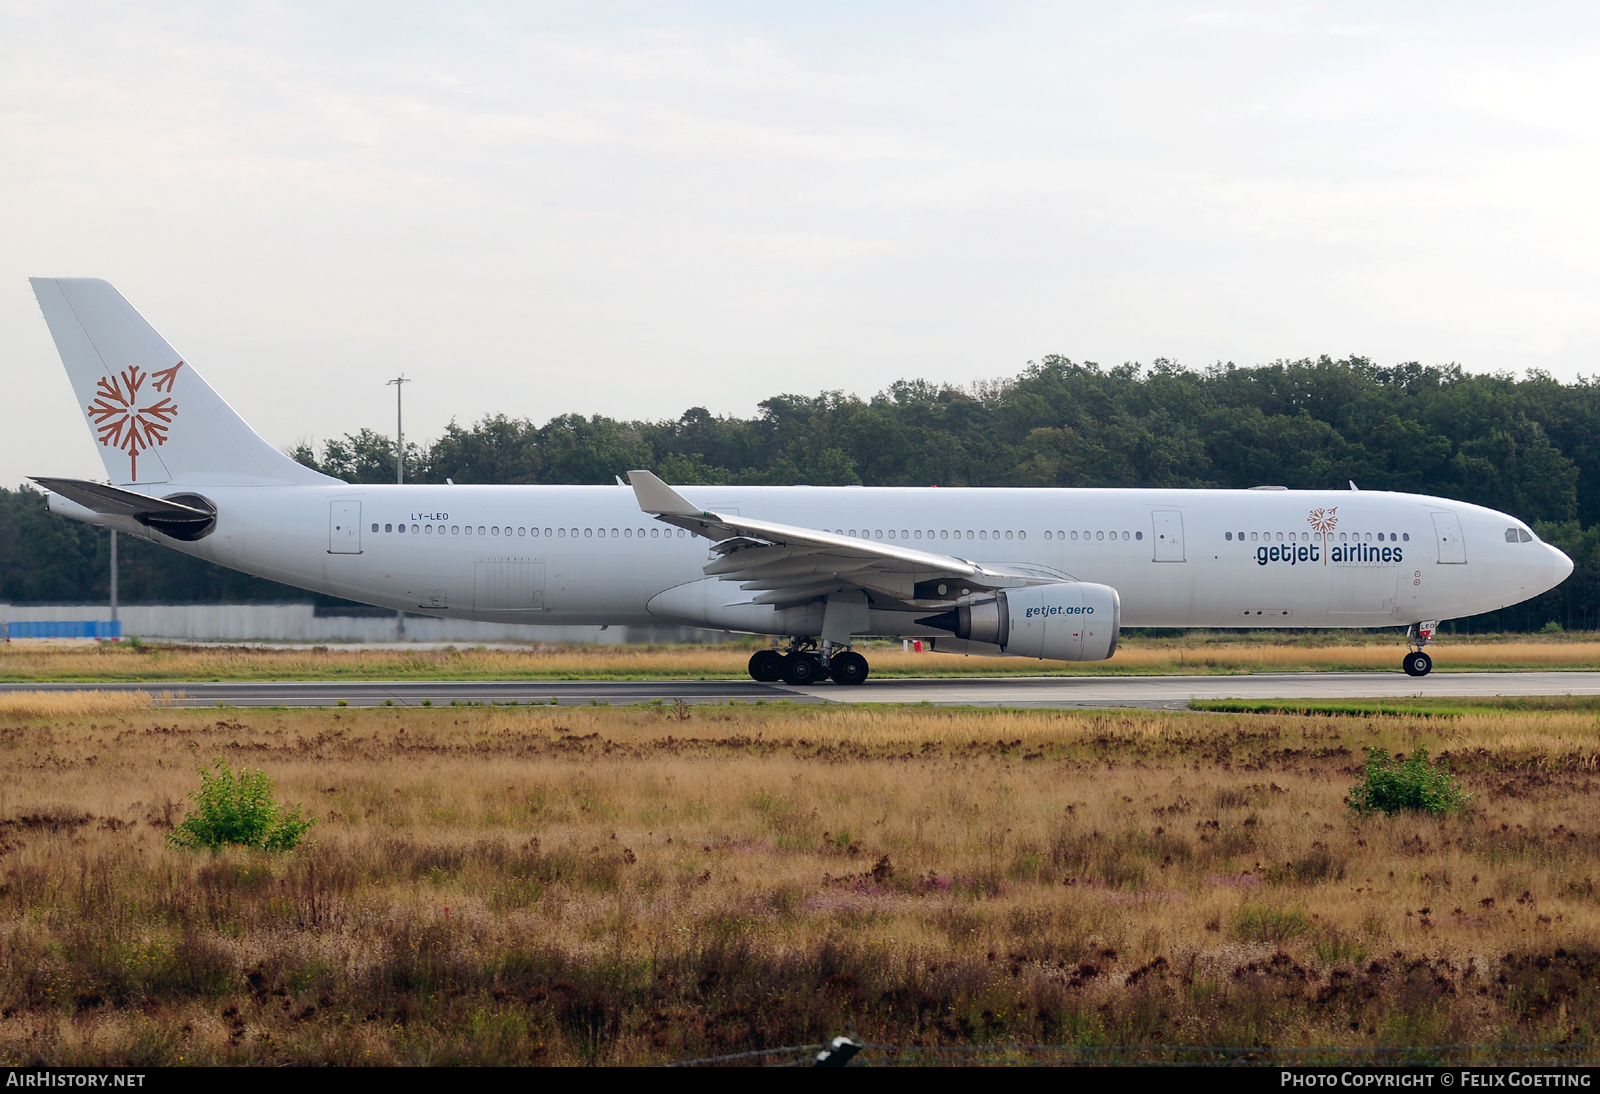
(631, 209)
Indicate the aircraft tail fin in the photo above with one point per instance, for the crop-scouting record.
(154, 418)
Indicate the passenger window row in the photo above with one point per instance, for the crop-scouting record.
(1310, 537)
(534, 533)
(669, 533)
(1059, 534)
(931, 533)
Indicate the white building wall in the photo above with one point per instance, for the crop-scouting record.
(300, 623)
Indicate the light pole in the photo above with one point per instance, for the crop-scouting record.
(399, 431)
(398, 383)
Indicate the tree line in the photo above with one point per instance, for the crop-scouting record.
(1529, 446)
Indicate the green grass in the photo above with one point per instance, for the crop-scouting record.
(1256, 923)
(1192, 653)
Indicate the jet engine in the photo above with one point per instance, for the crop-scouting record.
(1064, 621)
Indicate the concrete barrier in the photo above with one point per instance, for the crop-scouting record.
(304, 623)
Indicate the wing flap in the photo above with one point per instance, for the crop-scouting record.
(805, 566)
(753, 556)
(799, 594)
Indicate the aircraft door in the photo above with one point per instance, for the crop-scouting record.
(344, 528)
(1168, 535)
(1452, 547)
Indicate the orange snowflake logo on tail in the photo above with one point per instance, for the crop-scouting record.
(122, 423)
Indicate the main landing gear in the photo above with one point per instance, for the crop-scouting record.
(1418, 663)
(801, 666)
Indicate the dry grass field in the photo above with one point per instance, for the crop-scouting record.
(646, 884)
(1221, 652)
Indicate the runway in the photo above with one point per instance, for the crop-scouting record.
(1058, 692)
(1177, 691)
(415, 693)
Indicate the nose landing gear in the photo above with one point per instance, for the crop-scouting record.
(1418, 663)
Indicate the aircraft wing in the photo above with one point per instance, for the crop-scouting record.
(787, 565)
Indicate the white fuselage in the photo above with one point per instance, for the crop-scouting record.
(587, 555)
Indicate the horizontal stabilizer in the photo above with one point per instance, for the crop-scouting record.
(115, 502)
(170, 517)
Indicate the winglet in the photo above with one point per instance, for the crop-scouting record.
(657, 497)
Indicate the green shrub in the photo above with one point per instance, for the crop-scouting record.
(1255, 923)
(238, 809)
(1334, 948)
(1393, 784)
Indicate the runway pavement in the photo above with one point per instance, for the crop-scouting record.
(412, 693)
(1172, 692)
(1177, 691)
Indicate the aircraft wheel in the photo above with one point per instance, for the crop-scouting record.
(1418, 663)
(766, 666)
(801, 669)
(848, 668)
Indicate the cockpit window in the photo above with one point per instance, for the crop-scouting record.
(1518, 535)
(1511, 535)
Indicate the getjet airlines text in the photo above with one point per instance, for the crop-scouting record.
(1312, 552)
(1057, 609)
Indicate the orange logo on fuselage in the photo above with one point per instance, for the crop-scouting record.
(121, 423)
(1324, 521)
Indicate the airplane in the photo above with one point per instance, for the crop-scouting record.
(1052, 574)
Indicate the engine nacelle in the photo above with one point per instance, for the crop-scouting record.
(1067, 621)
(1064, 621)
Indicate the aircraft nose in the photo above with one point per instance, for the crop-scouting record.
(1560, 564)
